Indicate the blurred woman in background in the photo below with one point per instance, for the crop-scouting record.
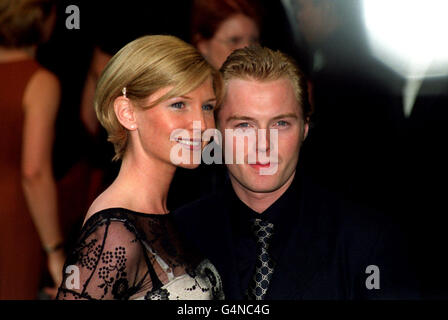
(29, 100)
(218, 27)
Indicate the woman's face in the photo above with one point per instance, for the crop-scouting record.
(238, 31)
(158, 127)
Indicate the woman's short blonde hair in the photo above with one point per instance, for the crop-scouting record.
(144, 66)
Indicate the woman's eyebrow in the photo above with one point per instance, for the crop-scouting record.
(190, 98)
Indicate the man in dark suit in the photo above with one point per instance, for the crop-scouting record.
(271, 232)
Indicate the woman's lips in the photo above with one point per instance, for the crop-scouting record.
(190, 143)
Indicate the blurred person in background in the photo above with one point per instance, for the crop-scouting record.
(29, 100)
(218, 27)
(353, 128)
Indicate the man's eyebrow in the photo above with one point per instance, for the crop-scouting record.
(286, 115)
(239, 117)
(246, 118)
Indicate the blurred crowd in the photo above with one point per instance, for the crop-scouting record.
(371, 141)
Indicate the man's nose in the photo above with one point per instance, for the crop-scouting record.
(263, 140)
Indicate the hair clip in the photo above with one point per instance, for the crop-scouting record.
(124, 92)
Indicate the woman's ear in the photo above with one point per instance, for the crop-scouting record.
(124, 110)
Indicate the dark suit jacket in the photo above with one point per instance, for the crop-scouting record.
(325, 255)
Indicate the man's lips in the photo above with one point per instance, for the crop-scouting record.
(261, 165)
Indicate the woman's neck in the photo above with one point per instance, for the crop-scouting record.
(143, 184)
(16, 54)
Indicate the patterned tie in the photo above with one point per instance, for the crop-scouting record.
(264, 267)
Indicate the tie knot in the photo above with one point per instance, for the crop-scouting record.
(263, 231)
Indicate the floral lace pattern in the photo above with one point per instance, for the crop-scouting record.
(124, 255)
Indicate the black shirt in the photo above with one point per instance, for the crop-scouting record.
(281, 214)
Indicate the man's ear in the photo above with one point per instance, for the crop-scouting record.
(124, 110)
(306, 128)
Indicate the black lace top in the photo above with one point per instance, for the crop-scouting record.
(122, 254)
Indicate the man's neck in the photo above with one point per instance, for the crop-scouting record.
(259, 201)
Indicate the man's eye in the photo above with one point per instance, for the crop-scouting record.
(282, 123)
(242, 125)
(208, 107)
(177, 105)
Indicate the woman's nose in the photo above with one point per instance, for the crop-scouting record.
(201, 121)
(246, 42)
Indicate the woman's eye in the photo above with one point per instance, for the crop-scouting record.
(177, 105)
(208, 107)
(235, 40)
(254, 41)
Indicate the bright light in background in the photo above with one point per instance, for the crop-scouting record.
(410, 36)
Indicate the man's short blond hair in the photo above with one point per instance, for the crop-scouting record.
(263, 64)
(144, 66)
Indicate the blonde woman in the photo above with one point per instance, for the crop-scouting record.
(128, 247)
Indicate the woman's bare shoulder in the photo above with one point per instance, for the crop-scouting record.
(106, 200)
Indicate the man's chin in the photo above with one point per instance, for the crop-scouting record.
(257, 183)
(263, 184)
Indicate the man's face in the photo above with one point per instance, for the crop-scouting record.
(251, 105)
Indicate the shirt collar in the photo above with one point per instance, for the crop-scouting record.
(281, 213)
